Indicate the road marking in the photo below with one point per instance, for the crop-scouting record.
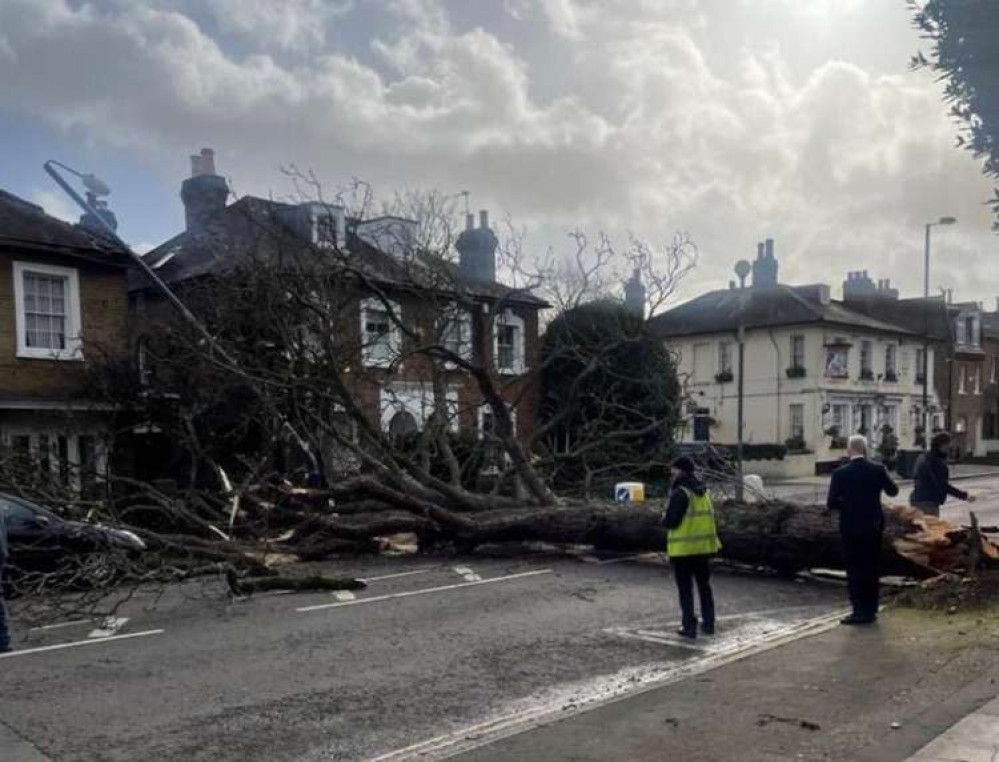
(604, 561)
(399, 574)
(109, 627)
(425, 591)
(344, 595)
(485, 733)
(61, 625)
(78, 643)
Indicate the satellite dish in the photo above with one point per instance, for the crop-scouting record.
(743, 268)
(95, 185)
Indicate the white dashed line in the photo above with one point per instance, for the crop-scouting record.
(344, 595)
(426, 591)
(398, 574)
(78, 643)
(60, 625)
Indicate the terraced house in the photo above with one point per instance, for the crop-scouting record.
(816, 369)
(63, 310)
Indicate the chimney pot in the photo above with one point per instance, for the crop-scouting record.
(770, 248)
(469, 221)
(483, 219)
(731, 287)
(759, 250)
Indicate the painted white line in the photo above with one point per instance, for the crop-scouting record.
(398, 574)
(485, 733)
(425, 591)
(109, 627)
(473, 577)
(344, 595)
(462, 570)
(60, 625)
(78, 643)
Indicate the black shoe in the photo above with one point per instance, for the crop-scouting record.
(685, 633)
(707, 629)
(857, 619)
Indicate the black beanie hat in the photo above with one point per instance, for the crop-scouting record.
(685, 464)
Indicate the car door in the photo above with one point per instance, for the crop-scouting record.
(34, 537)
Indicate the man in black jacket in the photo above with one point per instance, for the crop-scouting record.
(932, 478)
(855, 491)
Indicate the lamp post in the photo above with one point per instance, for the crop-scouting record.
(926, 325)
(742, 269)
(96, 188)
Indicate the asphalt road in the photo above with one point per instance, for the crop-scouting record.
(455, 644)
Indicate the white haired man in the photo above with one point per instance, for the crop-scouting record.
(855, 492)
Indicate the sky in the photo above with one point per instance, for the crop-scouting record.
(729, 120)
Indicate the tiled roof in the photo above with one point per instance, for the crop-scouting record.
(722, 311)
(255, 225)
(24, 225)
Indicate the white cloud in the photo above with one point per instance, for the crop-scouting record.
(55, 204)
(640, 128)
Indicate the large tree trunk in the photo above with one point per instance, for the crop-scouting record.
(786, 537)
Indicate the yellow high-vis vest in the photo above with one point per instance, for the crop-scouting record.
(697, 534)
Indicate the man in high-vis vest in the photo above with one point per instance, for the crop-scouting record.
(692, 538)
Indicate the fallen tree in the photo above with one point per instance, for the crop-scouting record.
(786, 537)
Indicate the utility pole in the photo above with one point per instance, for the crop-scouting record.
(926, 326)
(742, 269)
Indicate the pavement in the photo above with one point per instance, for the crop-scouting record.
(917, 686)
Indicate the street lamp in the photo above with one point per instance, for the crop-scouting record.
(926, 326)
(96, 188)
(742, 269)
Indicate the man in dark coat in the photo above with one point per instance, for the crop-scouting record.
(4, 555)
(932, 478)
(855, 492)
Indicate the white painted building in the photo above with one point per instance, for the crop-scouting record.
(816, 371)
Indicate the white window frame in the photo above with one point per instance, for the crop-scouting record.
(417, 399)
(866, 357)
(725, 357)
(845, 426)
(891, 360)
(796, 407)
(797, 340)
(74, 344)
(393, 337)
(978, 378)
(481, 416)
(962, 378)
(508, 318)
(461, 319)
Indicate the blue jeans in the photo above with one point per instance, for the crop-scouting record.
(4, 618)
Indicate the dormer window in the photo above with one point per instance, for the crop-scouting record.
(509, 343)
(327, 225)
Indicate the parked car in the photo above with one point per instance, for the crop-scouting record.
(41, 541)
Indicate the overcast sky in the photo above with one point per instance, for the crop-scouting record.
(732, 120)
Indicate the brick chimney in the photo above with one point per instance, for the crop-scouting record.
(204, 193)
(477, 250)
(765, 265)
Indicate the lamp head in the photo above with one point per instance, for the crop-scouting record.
(95, 185)
(947, 221)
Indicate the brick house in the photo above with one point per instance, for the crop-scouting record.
(499, 329)
(63, 309)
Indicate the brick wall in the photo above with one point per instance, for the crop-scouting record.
(104, 313)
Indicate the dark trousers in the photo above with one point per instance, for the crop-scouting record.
(862, 554)
(687, 570)
(4, 627)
